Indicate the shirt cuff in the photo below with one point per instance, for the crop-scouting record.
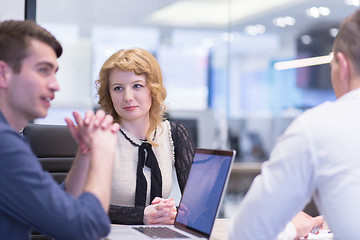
(289, 233)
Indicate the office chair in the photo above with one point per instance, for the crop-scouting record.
(54, 146)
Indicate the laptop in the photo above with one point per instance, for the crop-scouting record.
(199, 204)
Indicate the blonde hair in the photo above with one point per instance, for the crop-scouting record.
(140, 62)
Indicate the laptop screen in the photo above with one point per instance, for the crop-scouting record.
(204, 188)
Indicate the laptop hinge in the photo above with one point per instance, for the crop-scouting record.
(191, 230)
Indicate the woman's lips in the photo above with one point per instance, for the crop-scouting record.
(130, 108)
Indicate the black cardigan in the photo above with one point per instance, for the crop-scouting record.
(184, 153)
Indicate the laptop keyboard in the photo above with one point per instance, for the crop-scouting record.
(159, 232)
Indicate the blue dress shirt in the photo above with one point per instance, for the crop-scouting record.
(31, 199)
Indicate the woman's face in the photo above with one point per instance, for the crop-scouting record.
(130, 95)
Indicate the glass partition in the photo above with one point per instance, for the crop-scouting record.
(228, 64)
(220, 59)
(14, 9)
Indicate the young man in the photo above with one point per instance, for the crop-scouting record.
(318, 156)
(29, 197)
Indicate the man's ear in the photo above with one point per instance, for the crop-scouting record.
(344, 67)
(4, 74)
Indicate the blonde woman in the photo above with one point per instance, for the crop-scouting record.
(130, 88)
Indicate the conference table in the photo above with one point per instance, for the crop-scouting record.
(220, 229)
(219, 232)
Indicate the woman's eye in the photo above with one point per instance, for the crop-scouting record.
(138, 86)
(118, 88)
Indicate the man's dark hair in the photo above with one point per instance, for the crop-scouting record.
(15, 39)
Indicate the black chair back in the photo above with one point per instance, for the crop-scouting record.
(54, 146)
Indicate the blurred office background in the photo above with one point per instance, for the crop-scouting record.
(220, 59)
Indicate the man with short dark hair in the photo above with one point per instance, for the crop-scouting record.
(29, 197)
(317, 157)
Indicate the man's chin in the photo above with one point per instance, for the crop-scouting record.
(42, 114)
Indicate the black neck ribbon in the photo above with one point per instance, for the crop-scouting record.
(146, 157)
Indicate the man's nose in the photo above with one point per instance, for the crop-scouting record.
(54, 84)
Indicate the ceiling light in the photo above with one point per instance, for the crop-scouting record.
(213, 13)
(324, 11)
(306, 39)
(279, 22)
(284, 21)
(313, 12)
(305, 62)
(355, 3)
(333, 32)
(228, 37)
(290, 21)
(316, 12)
(255, 29)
